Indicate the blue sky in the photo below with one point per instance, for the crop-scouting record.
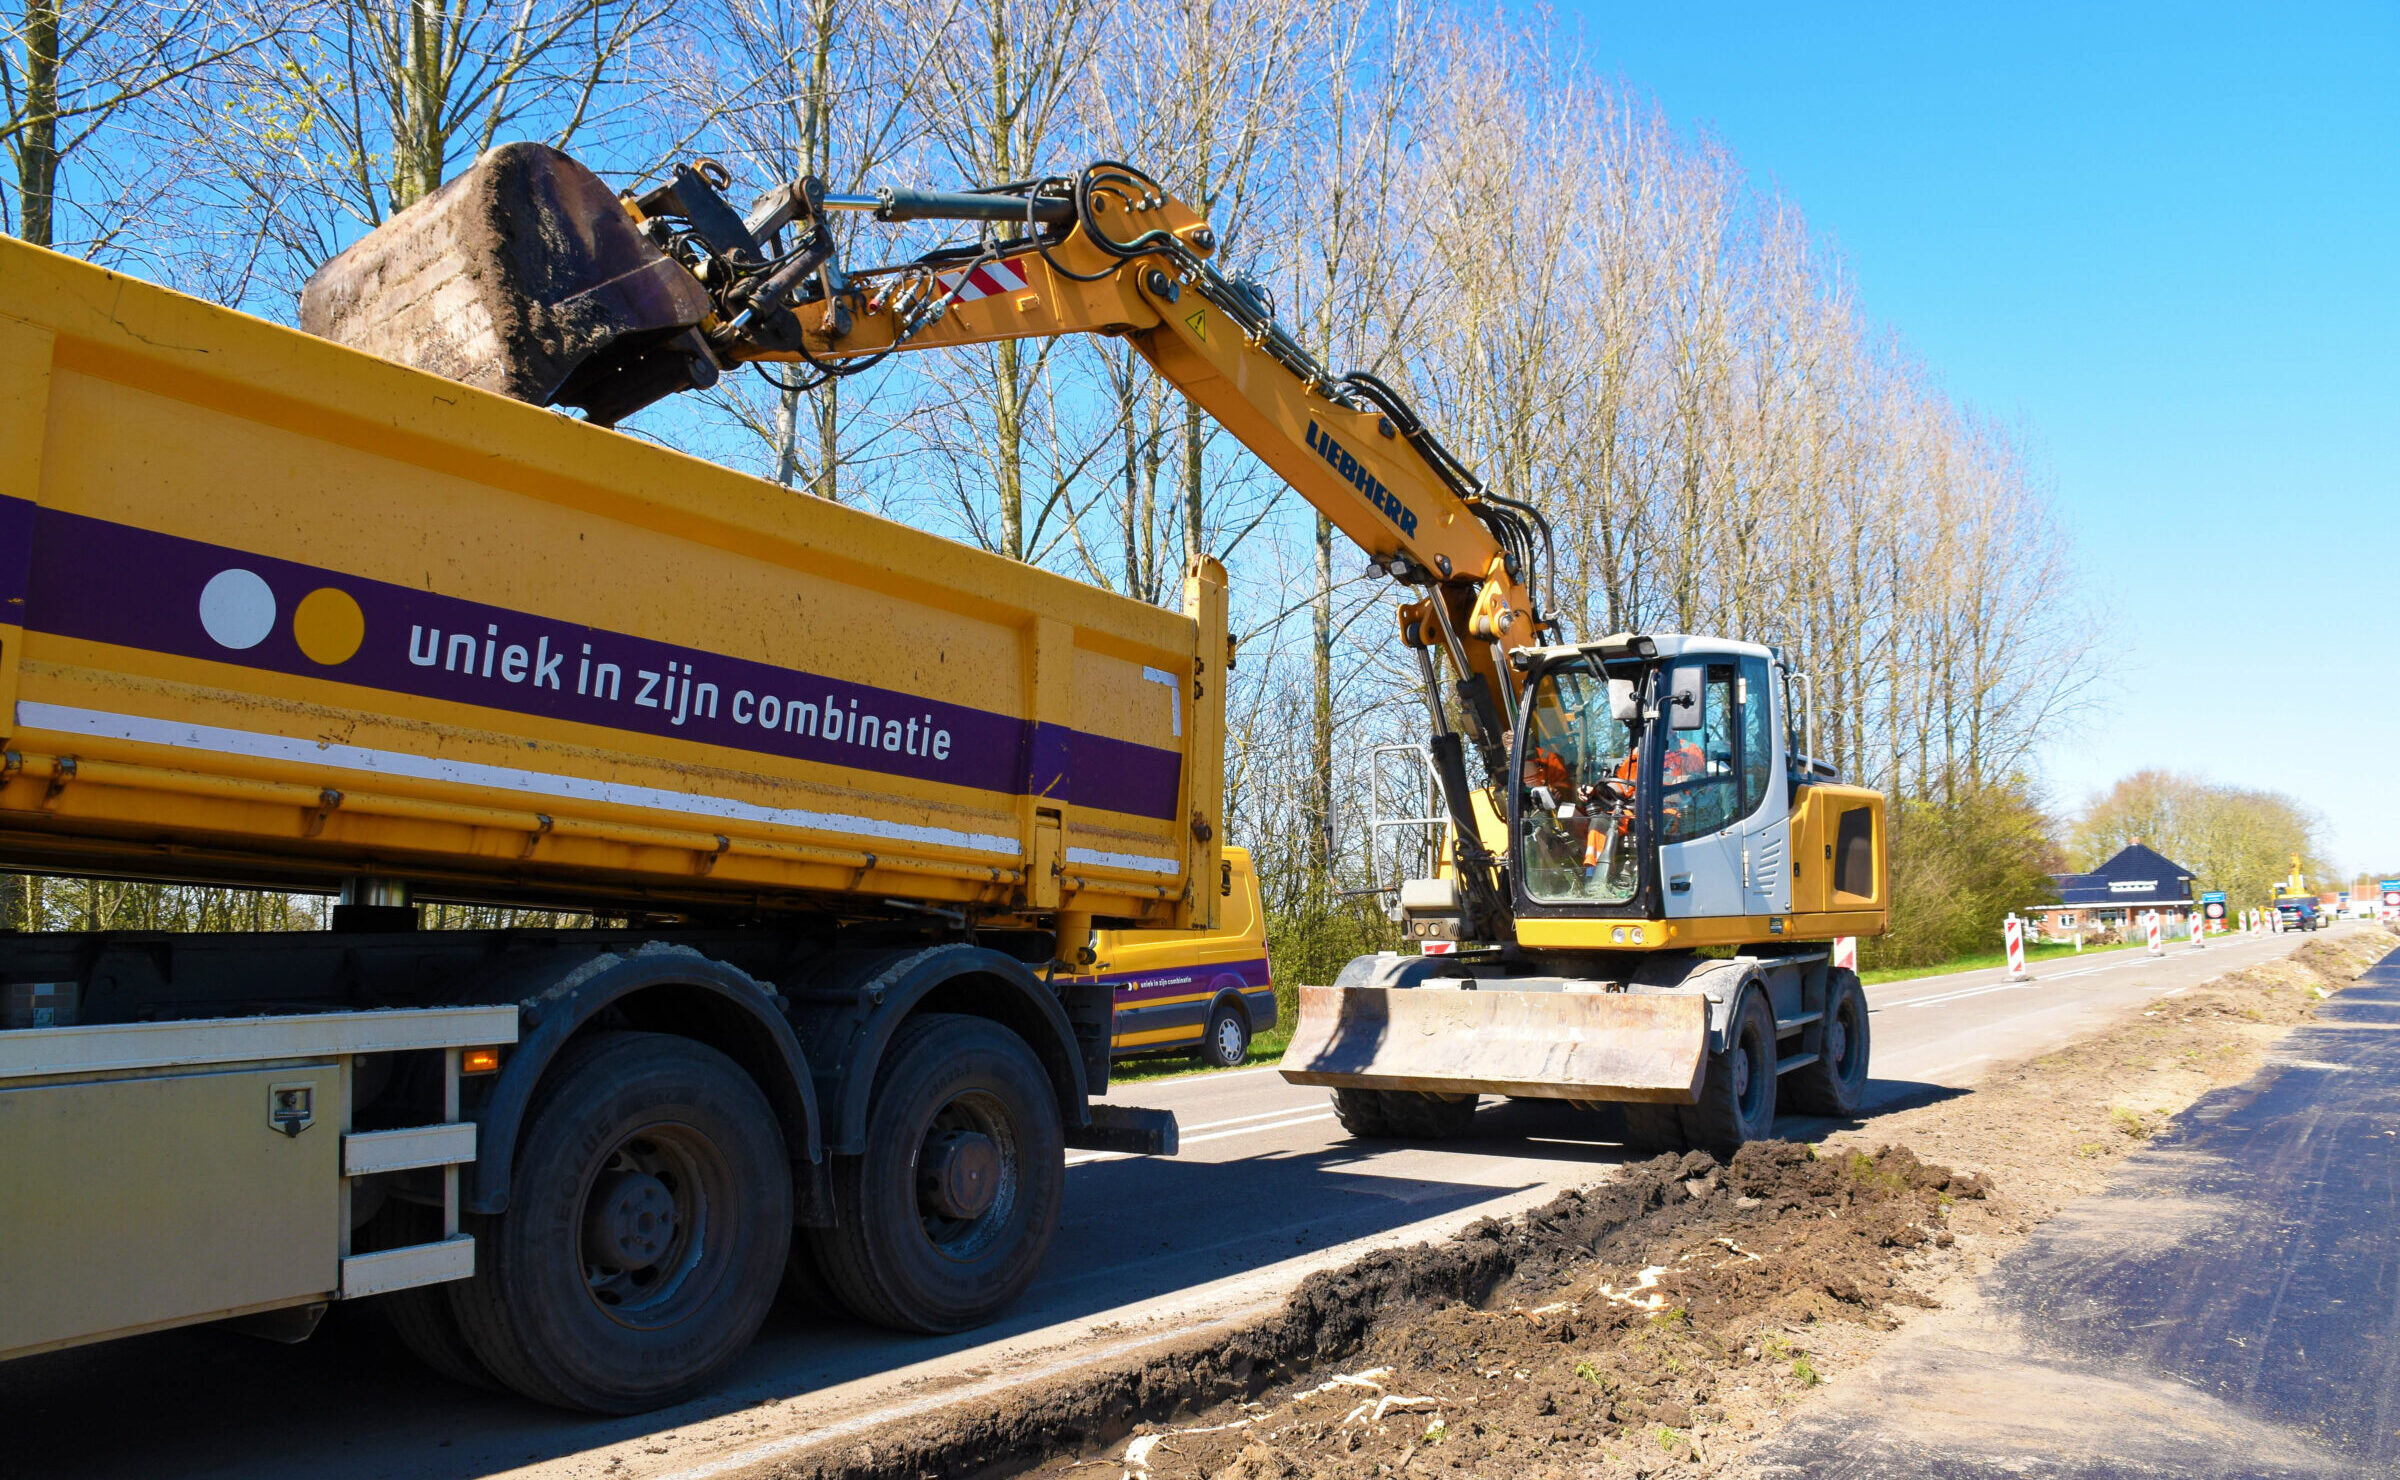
(2166, 240)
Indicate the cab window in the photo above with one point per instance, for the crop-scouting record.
(1698, 787)
(1575, 794)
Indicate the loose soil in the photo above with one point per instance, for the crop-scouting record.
(1660, 1322)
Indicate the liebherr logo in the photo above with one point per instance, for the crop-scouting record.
(1342, 462)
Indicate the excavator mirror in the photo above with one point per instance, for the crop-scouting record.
(1624, 701)
(1683, 702)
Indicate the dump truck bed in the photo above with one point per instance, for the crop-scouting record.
(279, 612)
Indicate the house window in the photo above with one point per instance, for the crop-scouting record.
(2066, 920)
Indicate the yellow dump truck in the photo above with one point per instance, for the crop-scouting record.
(278, 613)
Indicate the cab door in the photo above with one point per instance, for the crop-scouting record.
(1700, 791)
(1765, 841)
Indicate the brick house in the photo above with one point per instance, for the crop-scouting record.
(2115, 896)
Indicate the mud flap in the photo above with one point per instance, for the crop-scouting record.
(524, 276)
(1534, 1045)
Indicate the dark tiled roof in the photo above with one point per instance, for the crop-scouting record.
(2136, 876)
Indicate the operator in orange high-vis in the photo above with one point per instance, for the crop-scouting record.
(1611, 812)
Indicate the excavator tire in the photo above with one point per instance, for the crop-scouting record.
(1737, 1097)
(1653, 1128)
(1836, 1084)
(1363, 1114)
(1403, 1115)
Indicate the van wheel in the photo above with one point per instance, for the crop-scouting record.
(1227, 1041)
(945, 1217)
(649, 1212)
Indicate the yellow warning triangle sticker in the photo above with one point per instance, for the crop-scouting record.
(1199, 323)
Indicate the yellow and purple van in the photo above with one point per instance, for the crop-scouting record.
(1184, 991)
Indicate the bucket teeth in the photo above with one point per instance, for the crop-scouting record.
(1532, 1045)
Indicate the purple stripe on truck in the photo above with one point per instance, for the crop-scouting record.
(114, 583)
(1134, 988)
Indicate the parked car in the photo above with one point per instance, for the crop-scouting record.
(1182, 991)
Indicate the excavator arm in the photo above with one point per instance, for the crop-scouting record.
(1109, 252)
(527, 276)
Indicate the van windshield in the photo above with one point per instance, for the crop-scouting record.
(1576, 785)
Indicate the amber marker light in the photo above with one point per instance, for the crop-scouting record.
(479, 1061)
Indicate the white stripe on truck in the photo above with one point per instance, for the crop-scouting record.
(99, 724)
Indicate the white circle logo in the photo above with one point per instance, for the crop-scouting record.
(237, 608)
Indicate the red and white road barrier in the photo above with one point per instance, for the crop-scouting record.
(2199, 931)
(1845, 953)
(2157, 933)
(2012, 930)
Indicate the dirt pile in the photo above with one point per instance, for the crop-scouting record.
(1597, 1330)
(1657, 1323)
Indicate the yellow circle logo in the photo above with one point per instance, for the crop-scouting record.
(329, 626)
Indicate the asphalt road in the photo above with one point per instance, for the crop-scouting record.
(1267, 1189)
(2224, 1310)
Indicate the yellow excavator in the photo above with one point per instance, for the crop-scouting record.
(1635, 899)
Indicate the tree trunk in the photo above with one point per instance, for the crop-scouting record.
(37, 145)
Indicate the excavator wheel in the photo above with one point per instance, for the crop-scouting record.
(1403, 1115)
(1737, 1098)
(1836, 1084)
(1653, 1128)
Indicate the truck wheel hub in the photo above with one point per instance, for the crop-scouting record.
(958, 1174)
(630, 1221)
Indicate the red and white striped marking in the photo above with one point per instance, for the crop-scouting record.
(2012, 932)
(982, 281)
(2157, 933)
(1845, 953)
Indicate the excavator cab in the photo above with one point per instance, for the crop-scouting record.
(1655, 793)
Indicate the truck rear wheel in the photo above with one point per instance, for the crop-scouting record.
(1737, 1098)
(1836, 1084)
(649, 1212)
(945, 1217)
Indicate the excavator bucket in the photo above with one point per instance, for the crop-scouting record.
(1537, 1045)
(524, 276)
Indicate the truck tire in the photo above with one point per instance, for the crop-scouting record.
(1226, 1041)
(425, 1323)
(1403, 1115)
(421, 1316)
(1836, 1084)
(1737, 1097)
(945, 1217)
(650, 1207)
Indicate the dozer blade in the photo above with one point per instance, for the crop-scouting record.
(524, 276)
(1533, 1045)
